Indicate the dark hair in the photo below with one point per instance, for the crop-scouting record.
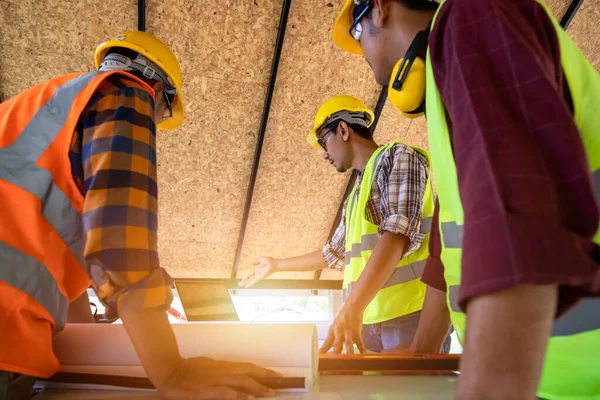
(360, 130)
(411, 5)
(418, 5)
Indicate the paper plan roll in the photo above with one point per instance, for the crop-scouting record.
(291, 349)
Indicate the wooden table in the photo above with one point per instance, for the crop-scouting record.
(329, 387)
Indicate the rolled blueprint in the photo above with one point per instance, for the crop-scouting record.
(105, 349)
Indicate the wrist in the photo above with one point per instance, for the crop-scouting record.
(171, 374)
(354, 305)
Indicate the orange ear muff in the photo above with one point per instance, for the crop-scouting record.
(406, 90)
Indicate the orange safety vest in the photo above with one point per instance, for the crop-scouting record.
(42, 268)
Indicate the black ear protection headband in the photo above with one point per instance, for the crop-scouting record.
(406, 90)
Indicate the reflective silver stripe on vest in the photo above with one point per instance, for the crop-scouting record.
(49, 120)
(17, 166)
(30, 276)
(56, 207)
(367, 242)
(583, 317)
(17, 163)
(596, 183)
(406, 273)
(426, 225)
(402, 274)
(453, 294)
(452, 234)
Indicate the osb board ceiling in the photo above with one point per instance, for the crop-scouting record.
(37, 44)
(297, 192)
(585, 31)
(226, 49)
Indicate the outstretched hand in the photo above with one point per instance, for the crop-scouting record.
(265, 266)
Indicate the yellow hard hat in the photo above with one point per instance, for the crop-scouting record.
(341, 36)
(333, 106)
(157, 52)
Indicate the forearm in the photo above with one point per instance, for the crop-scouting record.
(505, 342)
(306, 262)
(434, 323)
(154, 342)
(384, 259)
(80, 311)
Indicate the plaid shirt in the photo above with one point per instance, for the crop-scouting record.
(113, 162)
(395, 204)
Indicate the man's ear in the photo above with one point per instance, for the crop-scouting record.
(344, 131)
(380, 13)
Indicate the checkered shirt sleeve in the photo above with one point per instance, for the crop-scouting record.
(397, 194)
(115, 144)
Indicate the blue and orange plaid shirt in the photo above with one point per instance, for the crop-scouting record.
(113, 161)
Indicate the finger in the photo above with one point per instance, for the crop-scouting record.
(327, 343)
(247, 385)
(361, 346)
(245, 279)
(256, 262)
(252, 282)
(220, 392)
(338, 343)
(204, 392)
(253, 371)
(348, 342)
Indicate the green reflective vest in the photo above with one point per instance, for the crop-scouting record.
(572, 363)
(404, 292)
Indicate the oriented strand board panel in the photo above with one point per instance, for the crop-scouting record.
(225, 50)
(44, 39)
(297, 193)
(41, 66)
(585, 31)
(73, 29)
(558, 7)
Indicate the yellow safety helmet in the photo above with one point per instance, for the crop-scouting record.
(330, 111)
(157, 52)
(341, 34)
(406, 90)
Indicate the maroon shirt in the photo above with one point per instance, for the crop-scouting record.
(524, 181)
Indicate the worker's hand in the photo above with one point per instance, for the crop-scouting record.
(345, 332)
(265, 266)
(399, 349)
(205, 378)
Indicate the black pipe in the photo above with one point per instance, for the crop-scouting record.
(570, 14)
(142, 15)
(378, 109)
(285, 11)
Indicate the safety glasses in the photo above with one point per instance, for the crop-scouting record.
(360, 11)
(169, 101)
(322, 139)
